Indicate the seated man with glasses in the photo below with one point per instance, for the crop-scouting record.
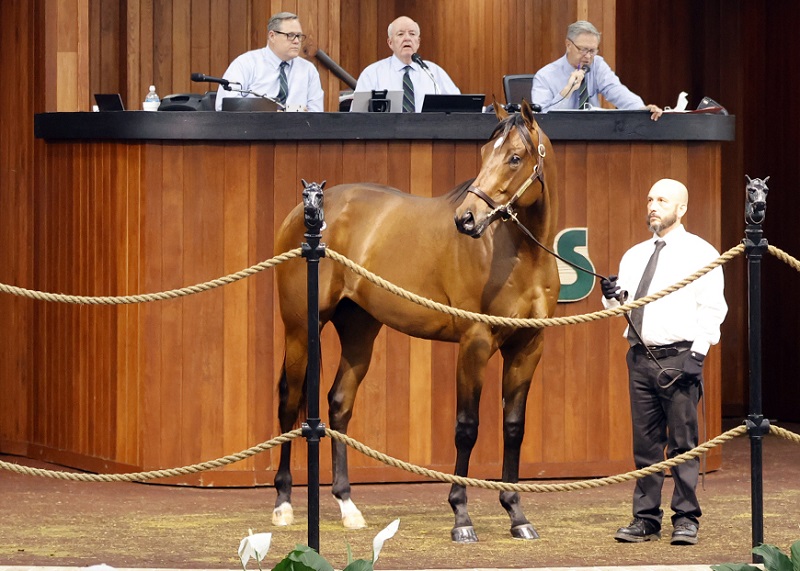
(275, 70)
(580, 75)
(399, 73)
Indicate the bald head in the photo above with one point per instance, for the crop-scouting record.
(667, 202)
(404, 38)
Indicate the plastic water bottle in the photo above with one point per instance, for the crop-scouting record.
(151, 100)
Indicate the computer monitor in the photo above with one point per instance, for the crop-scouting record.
(109, 102)
(461, 103)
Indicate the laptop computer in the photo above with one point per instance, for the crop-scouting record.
(109, 102)
(463, 103)
(361, 101)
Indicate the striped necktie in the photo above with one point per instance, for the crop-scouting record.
(637, 315)
(283, 92)
(408, 92)
(583, 94)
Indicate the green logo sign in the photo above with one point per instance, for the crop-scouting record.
(572, 244)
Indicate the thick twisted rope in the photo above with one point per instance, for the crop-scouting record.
(146, 297)
(394, 462)
(784, 257)
(529, 322)
(154, 474)
(539, 488)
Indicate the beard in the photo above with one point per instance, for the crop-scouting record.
(667, 221)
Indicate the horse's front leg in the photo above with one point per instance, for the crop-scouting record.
(476, 348)
(357, 331)
(519, 364)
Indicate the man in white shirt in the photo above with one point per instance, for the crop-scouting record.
(276, 71)
(665, 361)
(389, 73)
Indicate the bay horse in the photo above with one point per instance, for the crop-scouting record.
(461, 259)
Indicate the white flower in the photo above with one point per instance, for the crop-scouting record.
(387, 533)
(255, 546)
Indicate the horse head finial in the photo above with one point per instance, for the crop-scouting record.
(313, 200)
(755, 207)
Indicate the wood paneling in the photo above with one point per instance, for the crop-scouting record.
(181, 381)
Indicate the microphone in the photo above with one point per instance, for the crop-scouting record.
(421, 63)
(586, 68)
(221, 80)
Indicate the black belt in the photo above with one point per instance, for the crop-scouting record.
(661, 351)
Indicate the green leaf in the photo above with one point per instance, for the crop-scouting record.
(303, 558)
(774, 559)
(734, 567)
(349, 553)
(795, 551)
(360, 565)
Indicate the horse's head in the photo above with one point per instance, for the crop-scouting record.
(755, 208)
(312, 206)
(512, 161)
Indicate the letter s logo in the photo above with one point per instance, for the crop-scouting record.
(573, 244)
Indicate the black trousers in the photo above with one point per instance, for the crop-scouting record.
(663, 418)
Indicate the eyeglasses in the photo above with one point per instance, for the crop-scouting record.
(291, 36)
(585, 51)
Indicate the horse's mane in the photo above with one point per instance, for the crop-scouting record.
(517, 121)
(456, 194)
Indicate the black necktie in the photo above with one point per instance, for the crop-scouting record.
(408, 92)
(644, 284)
(583, 94)
(283, 92)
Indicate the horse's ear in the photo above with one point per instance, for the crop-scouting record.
(499, 111)
(305, 184)
(322, 184)
(747, 176)
(766, 179)
(527, 113)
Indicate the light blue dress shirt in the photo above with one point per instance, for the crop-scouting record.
(388, 74)
(601, 79)
(258, 71)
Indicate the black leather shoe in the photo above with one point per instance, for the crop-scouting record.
(638, 531)
(685, 533)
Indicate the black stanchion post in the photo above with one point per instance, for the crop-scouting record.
(758, 426)
(313, 429)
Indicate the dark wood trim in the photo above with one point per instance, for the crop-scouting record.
(252, 126)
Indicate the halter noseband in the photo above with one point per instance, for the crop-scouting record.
(506, 211)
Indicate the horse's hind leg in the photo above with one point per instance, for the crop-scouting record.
(357, 330)
(292, 395)
(518, 368)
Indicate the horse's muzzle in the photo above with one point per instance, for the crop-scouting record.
(466, 225)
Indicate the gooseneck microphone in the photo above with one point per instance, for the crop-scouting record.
(421, 63)
(221, 80)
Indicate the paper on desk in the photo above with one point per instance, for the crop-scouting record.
(680, 106)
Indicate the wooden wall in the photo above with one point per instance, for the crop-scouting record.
(173, 383)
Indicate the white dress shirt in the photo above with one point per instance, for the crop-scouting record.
(388, 74)
(693, 313)
(600, 79)
(259, 70)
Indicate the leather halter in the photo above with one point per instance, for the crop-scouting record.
(506, 211)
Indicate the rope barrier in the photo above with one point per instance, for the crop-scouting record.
(154, 474)
(394, 462)
(147, 297)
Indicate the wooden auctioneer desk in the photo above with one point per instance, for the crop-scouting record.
(138, 202)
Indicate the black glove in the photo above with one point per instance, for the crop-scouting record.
(692, 368)
(609, 287)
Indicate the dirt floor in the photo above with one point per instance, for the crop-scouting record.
(58, 523)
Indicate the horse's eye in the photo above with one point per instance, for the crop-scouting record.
(515, 160)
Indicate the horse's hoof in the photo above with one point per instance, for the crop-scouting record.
(351, 515)
(354, 521)
(524, 531)
(465, 534)
(283, 515)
